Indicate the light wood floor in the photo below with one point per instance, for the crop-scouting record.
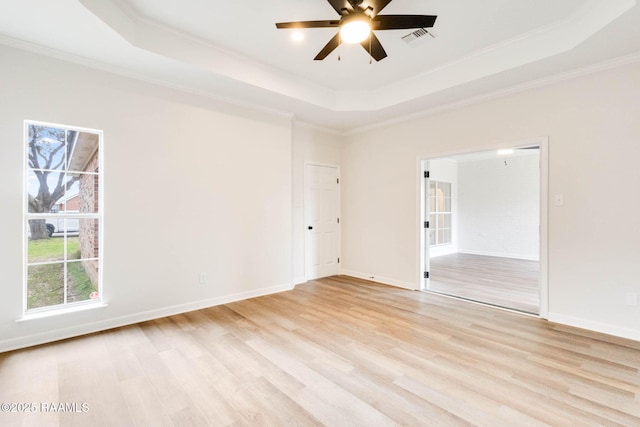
(338, 351)
(505, 282)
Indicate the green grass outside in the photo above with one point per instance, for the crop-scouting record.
(80, 285)
(46, 282)
(45, 285)
(52, 249)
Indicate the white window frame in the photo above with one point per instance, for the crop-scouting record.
(435, 225)
(66, 306)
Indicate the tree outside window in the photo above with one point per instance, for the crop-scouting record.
(62, 215)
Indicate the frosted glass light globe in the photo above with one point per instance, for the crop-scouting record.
(355, 31)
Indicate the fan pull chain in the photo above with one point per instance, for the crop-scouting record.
(370, 56)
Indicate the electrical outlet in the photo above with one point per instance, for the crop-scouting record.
(203, 278)
(632, 299)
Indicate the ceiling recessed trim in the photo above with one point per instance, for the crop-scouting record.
(561, 36)
(544, 42)
(226, 103)
(546, 81)
(146, 34)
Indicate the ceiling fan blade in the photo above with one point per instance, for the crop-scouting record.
(339, 5)
(375, 5)
(329, 47)
(374, 47)
(401, 22)
(308, 24)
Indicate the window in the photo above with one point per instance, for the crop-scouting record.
(439, 213)
(63, 216)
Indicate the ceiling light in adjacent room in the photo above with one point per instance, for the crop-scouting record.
(505, 151)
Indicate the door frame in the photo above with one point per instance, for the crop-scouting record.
(305, 214)
(543, 143)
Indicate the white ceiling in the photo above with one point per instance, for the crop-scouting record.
(232, 50)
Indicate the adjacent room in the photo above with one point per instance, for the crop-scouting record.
(482, 242)
(332, 212)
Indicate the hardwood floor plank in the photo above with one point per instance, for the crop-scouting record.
(168, 389)
(199, 386)
(144, 405)
(336, 351)
(504, 282)
(95, 382)
(320, 393)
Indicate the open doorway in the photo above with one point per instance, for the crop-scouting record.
(483, 227)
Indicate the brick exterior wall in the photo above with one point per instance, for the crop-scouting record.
(89, 233)
(73, 204)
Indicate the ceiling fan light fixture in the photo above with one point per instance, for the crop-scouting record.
(355, 30)
(358, 20)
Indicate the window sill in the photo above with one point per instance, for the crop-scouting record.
(51, 313)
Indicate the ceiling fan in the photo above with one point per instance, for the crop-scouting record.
(358, 20)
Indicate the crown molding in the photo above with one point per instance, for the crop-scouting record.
(306, 125)
(533, 84)
(126, 73)
(553, 39)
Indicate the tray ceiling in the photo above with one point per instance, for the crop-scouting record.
(232, 50)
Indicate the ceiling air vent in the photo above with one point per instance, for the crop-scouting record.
(418, 35)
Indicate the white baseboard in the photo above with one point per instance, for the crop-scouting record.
(501, 255)
(299, 280)
(379, 279)
(605, 328)
(88, 328)
(437, 251)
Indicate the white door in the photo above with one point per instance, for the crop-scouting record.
(322, 221)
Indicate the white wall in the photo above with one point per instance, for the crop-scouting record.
(190, 186)
(233, 172)
(310, 145)
(498, 206)
(594, 143)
